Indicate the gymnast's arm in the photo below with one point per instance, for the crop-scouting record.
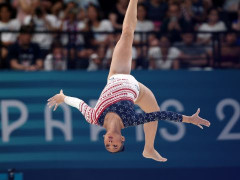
(88, 112)
(142, 118)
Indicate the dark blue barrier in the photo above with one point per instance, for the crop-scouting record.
(33, 138)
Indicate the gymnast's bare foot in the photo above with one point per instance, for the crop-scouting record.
(153, 154)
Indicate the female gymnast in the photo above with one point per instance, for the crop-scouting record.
(115, 107)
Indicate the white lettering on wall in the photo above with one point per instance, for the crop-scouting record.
(226, 134)
(180, 126)
(7, 128)
(65, 127)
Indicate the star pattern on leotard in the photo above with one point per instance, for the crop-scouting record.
(125, 109)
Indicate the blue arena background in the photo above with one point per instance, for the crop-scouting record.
(33, 142)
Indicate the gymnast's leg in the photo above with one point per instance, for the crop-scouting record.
(122, 55)
(147, 102)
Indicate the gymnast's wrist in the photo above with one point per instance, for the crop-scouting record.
(186, 119)
(72, 101)
(65, 99)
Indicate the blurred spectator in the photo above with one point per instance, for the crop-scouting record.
(236, 23)
(58, 10)
(95, 61)
(208, 4)
(41, 21)
(101, 52)
(143, 25)
(24, 8)
(7, 24)
(24, 55)
(193, 11)
(96, 25)
(72, 41)
(192, 54)
(186, 10)
(83, 3)
(198, 10)
(164, 56)
(174, 23)
(117, 14)
(142, 51)
(90, 48)
(231, 5)
(71, 8)
(82, 59)
(230, 53)
(57, 59)
(71, 24)
(46, 5)
(156, 11)
(213, 25)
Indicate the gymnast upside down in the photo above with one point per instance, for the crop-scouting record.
(115, 107)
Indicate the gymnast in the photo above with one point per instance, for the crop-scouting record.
(115, 107)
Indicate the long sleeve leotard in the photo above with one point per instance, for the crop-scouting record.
(125, 109)
(118, 96)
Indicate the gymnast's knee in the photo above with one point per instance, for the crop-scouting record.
(127, 32)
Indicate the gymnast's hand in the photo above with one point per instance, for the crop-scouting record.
(198, 121)
(56, 100)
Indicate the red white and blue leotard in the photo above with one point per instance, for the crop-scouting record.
(119, 87)
(118, 96)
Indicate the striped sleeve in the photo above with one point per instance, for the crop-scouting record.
(88, 112)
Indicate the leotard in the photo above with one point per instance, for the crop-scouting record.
(119, 96)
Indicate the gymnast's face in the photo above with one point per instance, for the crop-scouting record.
(113, 141)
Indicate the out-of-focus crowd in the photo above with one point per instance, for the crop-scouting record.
(81, 34)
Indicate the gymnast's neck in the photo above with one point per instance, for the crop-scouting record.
(113, 123)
